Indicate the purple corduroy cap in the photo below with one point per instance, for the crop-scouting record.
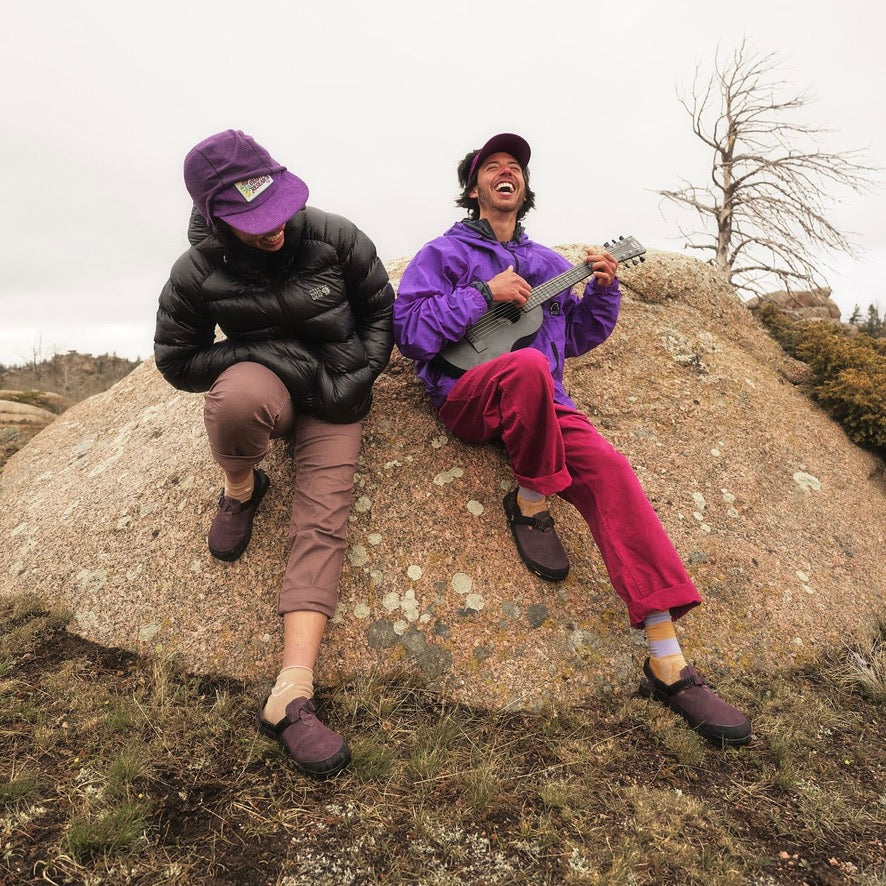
(511, 144)
(233, 178)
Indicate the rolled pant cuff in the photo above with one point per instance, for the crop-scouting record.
(550, 485)
(234, 463)
(305, 600)
(678, 600)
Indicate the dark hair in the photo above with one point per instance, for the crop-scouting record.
(471, 203)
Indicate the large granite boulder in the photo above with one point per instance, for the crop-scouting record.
(780, 518)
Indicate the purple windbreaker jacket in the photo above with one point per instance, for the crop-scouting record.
(436, 302)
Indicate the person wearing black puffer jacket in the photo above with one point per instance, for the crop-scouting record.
(305, 307)
(325, 281)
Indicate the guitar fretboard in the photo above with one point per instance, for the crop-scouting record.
(551, 287)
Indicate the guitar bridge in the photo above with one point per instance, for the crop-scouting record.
(476, 342)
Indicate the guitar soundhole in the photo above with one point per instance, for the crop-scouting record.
(510, 312)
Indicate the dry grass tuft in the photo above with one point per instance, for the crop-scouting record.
(863, 668)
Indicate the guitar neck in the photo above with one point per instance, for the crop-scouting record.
(557, 284)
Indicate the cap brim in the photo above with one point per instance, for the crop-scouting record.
(288, 196)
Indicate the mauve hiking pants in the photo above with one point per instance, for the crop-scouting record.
(556, 450)
(245, 409)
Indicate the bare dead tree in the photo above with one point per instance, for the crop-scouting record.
(764, 215)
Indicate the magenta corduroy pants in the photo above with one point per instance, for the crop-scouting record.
(556, 450)
(245, 409)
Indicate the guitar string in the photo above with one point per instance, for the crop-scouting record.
(494, 315)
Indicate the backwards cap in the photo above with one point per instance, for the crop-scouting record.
(508, 142)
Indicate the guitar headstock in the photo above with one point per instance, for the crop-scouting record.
(628, 250)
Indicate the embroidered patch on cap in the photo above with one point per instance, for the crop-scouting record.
(252, 187)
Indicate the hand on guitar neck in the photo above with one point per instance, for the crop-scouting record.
(604, 264)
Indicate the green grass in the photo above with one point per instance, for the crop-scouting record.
(92, 834)
(127, 766)
(120, 769)
(21, 788)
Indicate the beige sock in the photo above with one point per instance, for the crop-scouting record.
(292, 682)
(240, 490)
(668, 667)
(531, 508)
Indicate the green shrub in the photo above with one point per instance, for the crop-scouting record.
(857, 399)
(778, 325)
(849, 372)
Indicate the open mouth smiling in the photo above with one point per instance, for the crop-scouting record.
(504, 188)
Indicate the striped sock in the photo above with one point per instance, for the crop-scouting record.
(665, 656)
(530, 502)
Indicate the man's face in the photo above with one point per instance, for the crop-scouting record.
(269, 242)
(500, 186)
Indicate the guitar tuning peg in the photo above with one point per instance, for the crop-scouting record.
(606, 245)
(642, 258)
(621, 238)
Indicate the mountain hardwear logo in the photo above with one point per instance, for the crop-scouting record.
(318, 292)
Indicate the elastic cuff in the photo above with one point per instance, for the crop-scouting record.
(595, 287)
(234, 463)
(484, 290)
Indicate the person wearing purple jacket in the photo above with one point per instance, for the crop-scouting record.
(518, 398)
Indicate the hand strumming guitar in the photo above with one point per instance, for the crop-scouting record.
(604, 264)
(509, 286)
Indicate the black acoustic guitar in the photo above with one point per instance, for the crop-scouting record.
(506, 327)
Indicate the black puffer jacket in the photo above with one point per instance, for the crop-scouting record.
(317, 313)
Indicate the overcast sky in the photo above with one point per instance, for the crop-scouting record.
(373, 104)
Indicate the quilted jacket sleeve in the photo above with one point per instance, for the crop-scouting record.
(369, 293)
(184, 339)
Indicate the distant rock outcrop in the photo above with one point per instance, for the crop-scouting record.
(23, 414)
(781, 520)
(815, 304)
(47, 400)
(13, 413)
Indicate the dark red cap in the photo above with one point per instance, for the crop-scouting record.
(507, 142)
